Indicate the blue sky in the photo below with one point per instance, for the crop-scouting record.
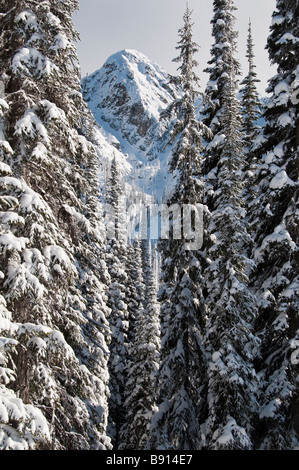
(151, 27)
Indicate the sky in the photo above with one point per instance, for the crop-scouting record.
(151, 27)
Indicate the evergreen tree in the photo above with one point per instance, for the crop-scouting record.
(222, 58)
(176, 425)
(230, 306)
(274, 217)
(53, 278)
(116, 258)
(23, 426)
(134, 285)
(251, 105)
(251, 109)
(141, 388)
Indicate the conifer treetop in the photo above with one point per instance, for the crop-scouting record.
(250, 100)
(188, 48)
(222, 51)
(187, 131)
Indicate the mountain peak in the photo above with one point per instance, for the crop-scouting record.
(126, 97)
(129, 55)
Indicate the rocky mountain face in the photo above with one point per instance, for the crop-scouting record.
(126, 97)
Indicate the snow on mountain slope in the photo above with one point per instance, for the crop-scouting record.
(126, 97)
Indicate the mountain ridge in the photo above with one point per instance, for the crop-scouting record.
(126, 96)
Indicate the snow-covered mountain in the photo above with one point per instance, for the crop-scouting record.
(126, 97)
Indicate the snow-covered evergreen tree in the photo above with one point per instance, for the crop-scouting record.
(223, 53)
(52, 275)
(251, 109)
(230, 306)
(251, 104)
(274, 217)
(116, 258)
(22, 426)
(176, 425)
(134, 285)
(142, 385)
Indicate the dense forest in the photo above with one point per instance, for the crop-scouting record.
(117, 342)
